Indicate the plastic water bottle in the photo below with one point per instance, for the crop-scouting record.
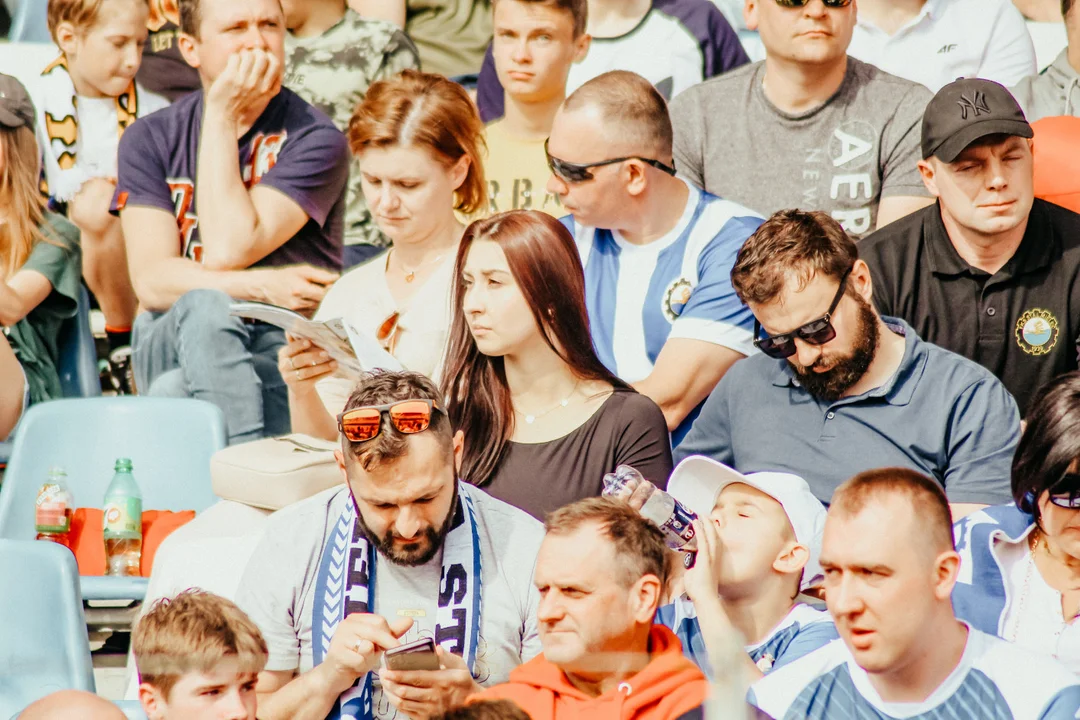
(672, 517)
(53, 509)
(123, 522)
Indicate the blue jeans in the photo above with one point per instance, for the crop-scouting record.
(197, 350)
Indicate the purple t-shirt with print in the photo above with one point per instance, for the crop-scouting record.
(293, 148)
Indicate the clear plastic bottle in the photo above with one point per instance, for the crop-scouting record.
(53, 509)
(123, 522)
(660, 508)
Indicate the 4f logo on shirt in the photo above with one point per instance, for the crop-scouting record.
(946, 48)
(183, 197)
(262, 158)
(977, 106)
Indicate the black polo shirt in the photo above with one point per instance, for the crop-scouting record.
(1021, 323)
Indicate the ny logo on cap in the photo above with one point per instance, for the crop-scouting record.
(978, 106)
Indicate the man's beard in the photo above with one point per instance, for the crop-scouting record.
(831, 384)
(417, 552)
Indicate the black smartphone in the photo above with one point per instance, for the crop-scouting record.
(418, 655)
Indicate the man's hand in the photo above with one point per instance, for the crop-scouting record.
(296, 287)
(357, 646)
(421, 694)
(635, 493)
(249, 80)
(702, 581)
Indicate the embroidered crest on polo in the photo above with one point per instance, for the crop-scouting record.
(1037, 331)
(675, 298)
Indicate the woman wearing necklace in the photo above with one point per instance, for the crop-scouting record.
(417, 138)
(543, 419)
(1020, 564)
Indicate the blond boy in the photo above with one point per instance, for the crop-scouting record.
(198, 657)
(85, 100)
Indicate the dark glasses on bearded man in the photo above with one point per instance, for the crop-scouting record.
(1066, 494)
(407, 416)
(579, 172)
(803, 3)
(815, 332)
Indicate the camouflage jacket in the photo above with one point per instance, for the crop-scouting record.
(332, 72)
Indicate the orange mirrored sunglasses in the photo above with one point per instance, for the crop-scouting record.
(407, 416)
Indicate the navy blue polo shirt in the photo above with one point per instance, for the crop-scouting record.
(939, 414)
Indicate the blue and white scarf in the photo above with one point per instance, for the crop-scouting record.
(346, 585)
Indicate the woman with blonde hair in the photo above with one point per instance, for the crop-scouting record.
(418, 140)
(40, 261)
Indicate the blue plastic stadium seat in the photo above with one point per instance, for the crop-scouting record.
(169, 440)
(29, 22)
(78, 354)
(43, 641)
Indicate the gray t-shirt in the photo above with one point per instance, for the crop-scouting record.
(278, 587)
(841, 158)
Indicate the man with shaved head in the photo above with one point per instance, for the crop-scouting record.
(657, 251)
(890, 567)
(72, 705)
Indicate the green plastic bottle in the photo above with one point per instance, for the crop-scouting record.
(123, 522)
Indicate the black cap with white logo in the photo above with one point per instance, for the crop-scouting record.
(966, 110)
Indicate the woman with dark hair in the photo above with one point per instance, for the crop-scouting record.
(543, 419)
(1020, 563)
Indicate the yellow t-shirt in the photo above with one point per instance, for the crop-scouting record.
(517, 173)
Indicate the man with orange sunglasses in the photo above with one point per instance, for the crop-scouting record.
(403, 552)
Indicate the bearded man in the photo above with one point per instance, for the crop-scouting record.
(838, 389)
(403, 552)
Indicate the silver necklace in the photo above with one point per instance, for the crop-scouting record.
(530, 418)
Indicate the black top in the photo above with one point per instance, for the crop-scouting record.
(540, 477)
(1021, 323)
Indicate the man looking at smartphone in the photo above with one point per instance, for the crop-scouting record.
(405, 551)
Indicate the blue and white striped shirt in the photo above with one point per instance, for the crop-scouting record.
(801, 632)
(994, 680)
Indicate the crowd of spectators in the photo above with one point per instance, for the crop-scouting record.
(818, 299)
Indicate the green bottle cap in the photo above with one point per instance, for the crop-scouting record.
(123, 465)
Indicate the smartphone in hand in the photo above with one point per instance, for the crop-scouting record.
(418, 655)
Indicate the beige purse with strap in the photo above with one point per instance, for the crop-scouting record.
(274, 472)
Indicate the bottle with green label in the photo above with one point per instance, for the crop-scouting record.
(123, 522)
(54, 508)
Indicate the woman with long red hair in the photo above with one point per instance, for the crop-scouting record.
(543, 419)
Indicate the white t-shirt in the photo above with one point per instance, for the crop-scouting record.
(362, 297)
(994, 679)
(278, 587)
(1033, 614)
(99, 136)
(950, 39)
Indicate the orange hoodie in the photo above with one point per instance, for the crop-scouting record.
(669, 686)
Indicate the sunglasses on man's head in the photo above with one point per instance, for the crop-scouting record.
(407, 416)
(1066, 494)
(815, 332)
(570, 172)
(803, 3)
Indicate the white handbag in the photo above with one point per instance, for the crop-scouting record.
(274, 472)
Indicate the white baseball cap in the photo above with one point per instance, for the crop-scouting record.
(697, 481)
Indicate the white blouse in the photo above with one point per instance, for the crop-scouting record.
(362, 297)
(1033, 615)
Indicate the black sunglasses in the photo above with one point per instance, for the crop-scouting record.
(803, 3)
(1066, 494)
(815, 332)
(579, 172)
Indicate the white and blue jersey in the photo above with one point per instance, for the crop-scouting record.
(800, 633)
(994, 680)
(676, 286)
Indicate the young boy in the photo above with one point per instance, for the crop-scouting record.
(332, 56)
(198, 656)
(536, 42)
(85, 100)
(759, 537)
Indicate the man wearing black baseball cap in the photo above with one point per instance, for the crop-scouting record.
(989, 271)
